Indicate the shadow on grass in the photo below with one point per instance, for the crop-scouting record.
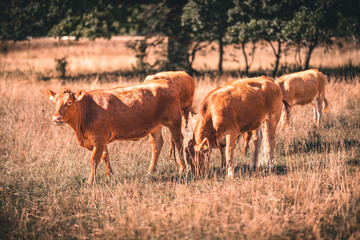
(347, 73)
(243, 170)
(315, 143)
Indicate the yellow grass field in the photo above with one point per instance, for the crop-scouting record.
(313, 194)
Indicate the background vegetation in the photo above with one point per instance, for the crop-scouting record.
(179, 29)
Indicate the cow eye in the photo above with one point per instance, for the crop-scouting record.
(68, 103)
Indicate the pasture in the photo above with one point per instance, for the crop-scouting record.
(314, 192)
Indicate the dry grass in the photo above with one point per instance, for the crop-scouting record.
(315, 192)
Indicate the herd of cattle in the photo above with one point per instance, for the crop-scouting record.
(100, 117)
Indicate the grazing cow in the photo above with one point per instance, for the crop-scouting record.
(100, 117)
(184, 83)
(305, 87)
(234, 108)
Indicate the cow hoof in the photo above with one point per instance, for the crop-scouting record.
(89, 183)
(270, 169)
(230, 173)
(109, 177)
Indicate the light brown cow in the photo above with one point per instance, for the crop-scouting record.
(184, 83)
(238, 106)
(100, 117)
(305, 87)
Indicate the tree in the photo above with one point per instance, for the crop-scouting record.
(162, 21)
(208, 21)
(312, 24)
(348, 20)
(272, 21)
(244, 29)
(90, 19)
(21, 19)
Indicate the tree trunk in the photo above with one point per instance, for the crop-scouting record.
(178, 55)
(221, 53)
(298, 55)
(246, 59)
(277, 55)
(178, 40)
(308, 55)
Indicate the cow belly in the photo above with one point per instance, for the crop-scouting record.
(251, 121)
(131, 134)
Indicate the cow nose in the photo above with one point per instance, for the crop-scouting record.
(56, 119)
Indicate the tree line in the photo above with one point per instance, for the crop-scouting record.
(182, 28)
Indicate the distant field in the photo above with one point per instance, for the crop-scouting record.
(314, 192)
(102, 55)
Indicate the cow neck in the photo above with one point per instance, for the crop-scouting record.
(81, 119)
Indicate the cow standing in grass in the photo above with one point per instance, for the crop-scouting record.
(236, 107)
(100, 117)
(305, 87)
(185, 85)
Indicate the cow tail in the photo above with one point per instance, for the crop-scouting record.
(325, 105)
(287, 110)
(325, 102)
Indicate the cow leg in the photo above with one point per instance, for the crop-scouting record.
(185, 113)
(156, 141)
(223, 157)
(172, 150)
(95, 159)
(270, 128)
(247, 138)
(285, 118)
(257, 142)
(105, 158)
(314, 104)
(319, 107)
(229, 152)
(177, 138)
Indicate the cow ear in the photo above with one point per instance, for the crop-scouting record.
(79, 95)
(204, 145)
(51, 94)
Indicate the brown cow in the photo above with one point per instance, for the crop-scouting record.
(305, 87)
(184, 83)
(100, 117)
(237, 107)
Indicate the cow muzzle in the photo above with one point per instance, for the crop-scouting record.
(57, 120)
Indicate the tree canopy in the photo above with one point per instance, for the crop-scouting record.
(187, 25)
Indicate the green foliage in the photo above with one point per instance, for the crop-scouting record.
(21, 19)
(89, 19)
(207, 21)
(163, 19)
(188, 25)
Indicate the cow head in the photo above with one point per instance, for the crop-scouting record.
(198, 157)
(65, 104)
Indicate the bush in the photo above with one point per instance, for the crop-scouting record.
(60, 67)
